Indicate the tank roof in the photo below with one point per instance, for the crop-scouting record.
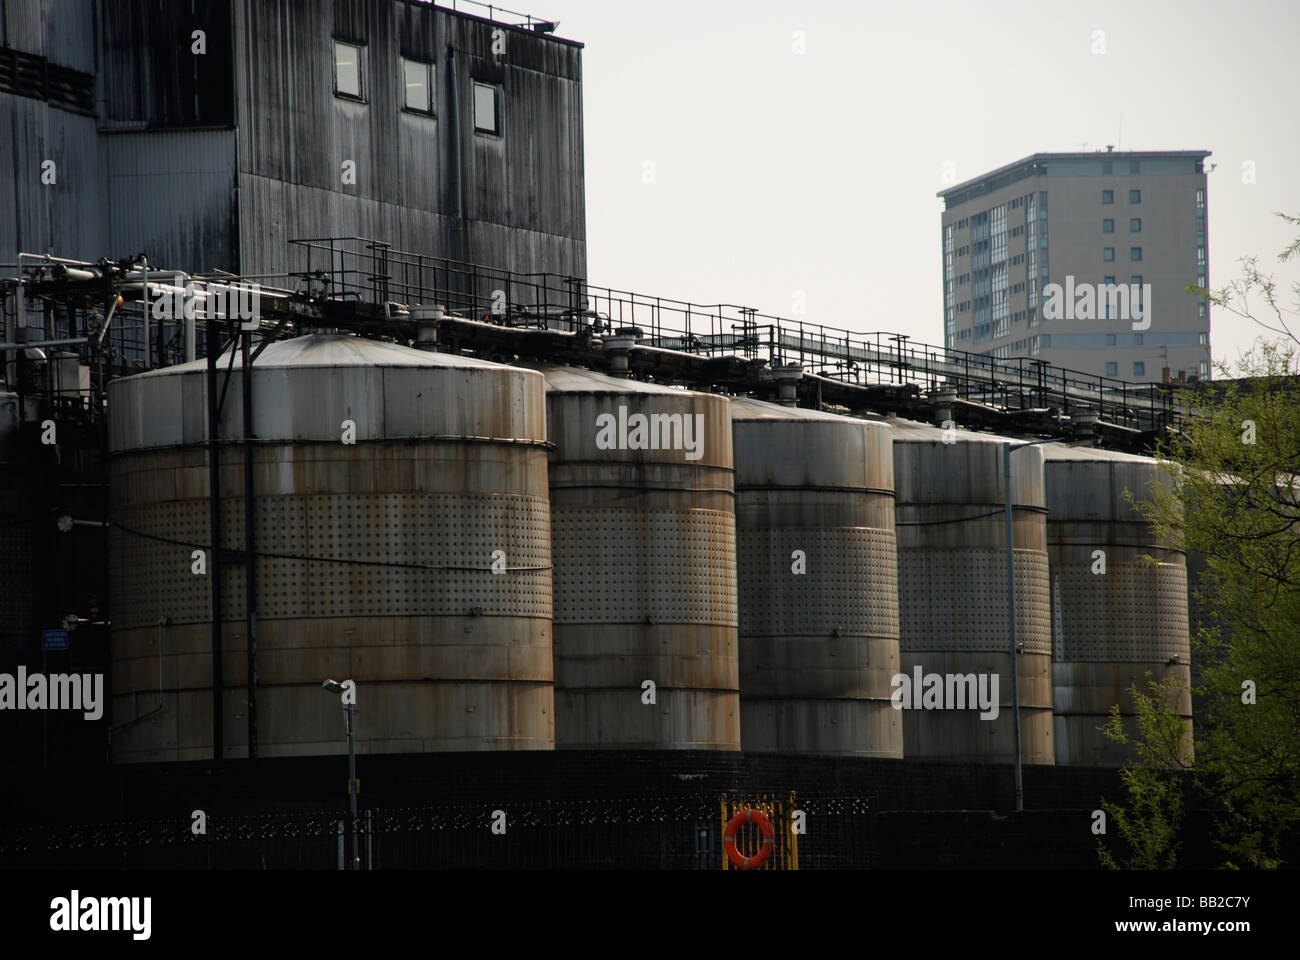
(330, 350)
(747, 408)
(564, 379)
(1059, 451)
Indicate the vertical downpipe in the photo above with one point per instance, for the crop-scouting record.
(214, 523)
(250, 544)
(458, 246)
(1011, 620)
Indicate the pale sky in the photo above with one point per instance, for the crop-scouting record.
(778, 172)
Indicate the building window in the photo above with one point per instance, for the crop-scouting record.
(487, 108)
(1135, 253)
(418, 77)
(1112, 369)
(1135, 225)
(1108, 196)
(1205, 369)
(348, 68)
(1136, 280)
(1110, 342)
(1108, 226)
(1139, 368)
(1108, 254)
(1139, 339)
(1109, 281)
(1107, 166)
(1200, 199)
(1135, 196)
(1134, 166)
(1205, 339)
(1046, 340)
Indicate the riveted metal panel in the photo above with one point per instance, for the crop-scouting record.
(850, 587)
(958, 600)
(644, 567)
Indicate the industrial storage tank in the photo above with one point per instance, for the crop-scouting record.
(818, 582)
(1115, 614)
(644, 546)
(402, 541)
(952, 571)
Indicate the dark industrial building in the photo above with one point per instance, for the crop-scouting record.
(207, 135)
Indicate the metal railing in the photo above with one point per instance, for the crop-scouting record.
(367, 269)
(494, 13)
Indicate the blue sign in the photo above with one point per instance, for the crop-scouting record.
(54, 639)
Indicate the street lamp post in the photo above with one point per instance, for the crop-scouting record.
(335, 687)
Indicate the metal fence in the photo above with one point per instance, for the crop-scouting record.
(368, 270)
(645, 833)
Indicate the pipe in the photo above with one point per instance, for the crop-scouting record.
(250, 544)
(214, 525)
(1011, 620)
(458, 245)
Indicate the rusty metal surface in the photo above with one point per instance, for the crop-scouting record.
(1110, 627)
(817, 649)
(953, 588)
(374, 559)
(645, 573)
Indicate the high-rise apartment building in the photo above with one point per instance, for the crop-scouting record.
(1082, 260)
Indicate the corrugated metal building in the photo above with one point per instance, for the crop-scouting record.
(435, 130)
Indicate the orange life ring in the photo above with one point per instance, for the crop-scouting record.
(729, 839)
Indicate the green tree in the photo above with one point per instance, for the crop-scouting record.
(1154, 780)
(1235, 501)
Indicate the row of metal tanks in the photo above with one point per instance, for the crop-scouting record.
(515, 558)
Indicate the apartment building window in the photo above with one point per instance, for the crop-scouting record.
(348, 69)
(1108, 254)
(1112, 369)
(1139, 368)
(1108, 226)
(1205, 369)
(1135, 253)
(1108, 196)
(1205, 339)
(487, 108)
(1135, 225)
(1135, 196)
(418, 79)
